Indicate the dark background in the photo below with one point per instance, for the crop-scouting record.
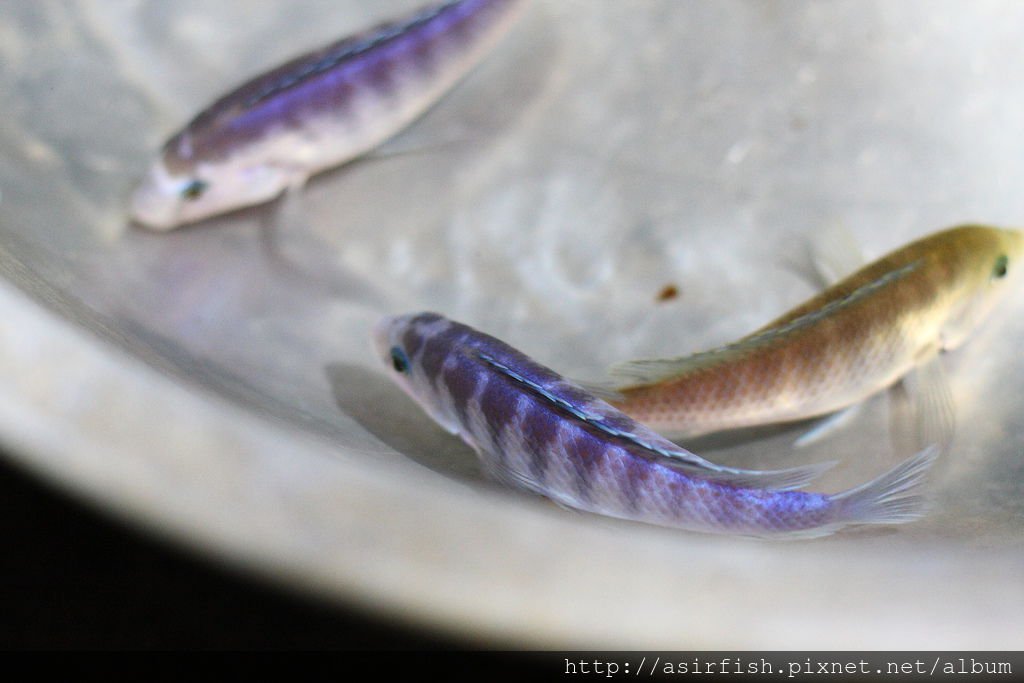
(73, 578)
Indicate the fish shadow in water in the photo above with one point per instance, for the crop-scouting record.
(737, 438)
(293, 254)
(386, 412)
(764, 447)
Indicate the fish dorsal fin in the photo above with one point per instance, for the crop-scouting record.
(663, 451)
(654, 370)
(835, 254)
(651, 371)
(344, 50)
(603, 390)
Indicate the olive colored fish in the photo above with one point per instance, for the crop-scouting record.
(863, 334)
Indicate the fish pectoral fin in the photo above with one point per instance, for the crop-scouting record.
(934, 414)
(287, 214)
(835, 254)
(901, 419)
(496, 471)
(405, 146)
(823, 427)
(921, 408)
(291, 209)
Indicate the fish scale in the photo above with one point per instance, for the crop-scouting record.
(540, 432)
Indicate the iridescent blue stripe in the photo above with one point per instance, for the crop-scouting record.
(350, 51)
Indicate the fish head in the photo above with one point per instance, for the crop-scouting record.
(176, 192)
(400, 342)
(989, 264)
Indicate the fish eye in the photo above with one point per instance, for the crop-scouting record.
(1002, 263)
(194, 189)
(399, 360)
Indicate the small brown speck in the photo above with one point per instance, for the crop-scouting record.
(668, 293)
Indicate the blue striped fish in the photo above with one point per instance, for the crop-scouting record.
(317, 111)
(536, 430)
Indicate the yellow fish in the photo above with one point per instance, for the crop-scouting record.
(863, 334)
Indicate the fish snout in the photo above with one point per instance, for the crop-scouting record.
(381, 336)
(156, 202)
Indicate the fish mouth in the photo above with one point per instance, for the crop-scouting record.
(152, 205)
(381, 336)
(151, 215)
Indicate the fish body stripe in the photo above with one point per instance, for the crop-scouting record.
(350, 49)
(832, 307)
(624, 430)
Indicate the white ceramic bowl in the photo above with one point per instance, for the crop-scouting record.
(215, 384)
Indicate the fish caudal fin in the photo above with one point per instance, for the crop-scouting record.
(892, 498)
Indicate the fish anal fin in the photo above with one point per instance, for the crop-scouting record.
(825, 426)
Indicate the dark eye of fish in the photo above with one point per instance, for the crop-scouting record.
(399, 360)
(194, 190)
(1002, 263)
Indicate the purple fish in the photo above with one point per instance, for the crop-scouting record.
(536, 430)
(317, 111)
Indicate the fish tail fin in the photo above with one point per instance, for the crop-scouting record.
(893, 497)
